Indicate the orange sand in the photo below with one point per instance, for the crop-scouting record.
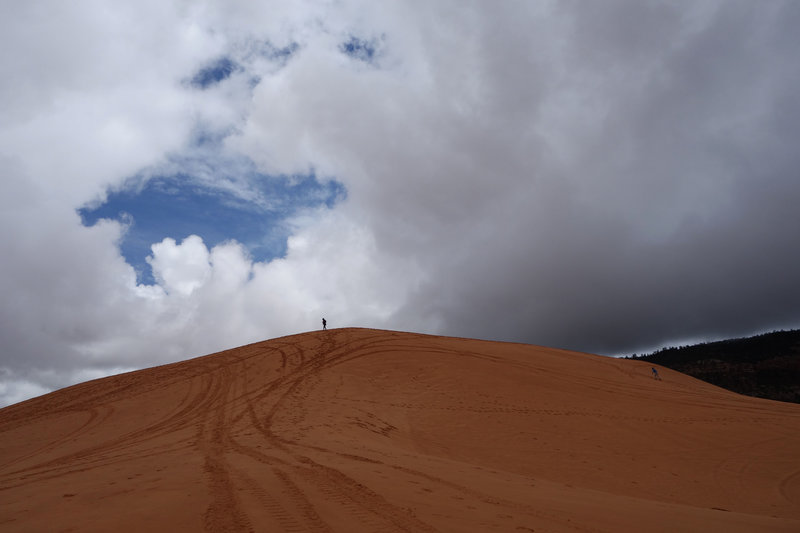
(364, 430)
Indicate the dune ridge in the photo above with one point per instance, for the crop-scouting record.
(368, 430)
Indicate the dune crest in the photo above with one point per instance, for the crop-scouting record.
(367, 430)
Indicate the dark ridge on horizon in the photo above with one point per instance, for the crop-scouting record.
(763, 366)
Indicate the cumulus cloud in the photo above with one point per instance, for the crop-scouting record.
(607, 177)
(180, 268)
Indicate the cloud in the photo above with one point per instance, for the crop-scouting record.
(609, 177)
(570, 177)
(13, 391)
(180, 268)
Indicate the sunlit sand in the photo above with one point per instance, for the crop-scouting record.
(364, 430)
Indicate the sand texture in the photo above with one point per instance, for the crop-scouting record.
(363, 430)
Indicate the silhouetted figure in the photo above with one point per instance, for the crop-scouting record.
(324, 324)
(655, 373)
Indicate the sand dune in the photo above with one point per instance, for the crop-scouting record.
(365, 430)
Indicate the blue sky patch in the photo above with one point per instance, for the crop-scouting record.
(281, 55)
(180, 205)
(360, 49)
(217, 71)
(206, 191)
(220, 69)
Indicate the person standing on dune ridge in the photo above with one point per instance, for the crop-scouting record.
(324, 324)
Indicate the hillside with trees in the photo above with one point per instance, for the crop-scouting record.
(765, 366)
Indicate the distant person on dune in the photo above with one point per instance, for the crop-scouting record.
(655, 372)
(324, 324)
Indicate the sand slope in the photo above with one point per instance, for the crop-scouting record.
(365, 430)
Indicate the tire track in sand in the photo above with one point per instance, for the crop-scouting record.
(365, 507)
(224, 512)
(113, 450)
(285, 494)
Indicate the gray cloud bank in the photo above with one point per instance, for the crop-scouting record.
(607, 177)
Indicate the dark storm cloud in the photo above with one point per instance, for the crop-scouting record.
(674, 216)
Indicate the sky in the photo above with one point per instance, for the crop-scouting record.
(178, 178)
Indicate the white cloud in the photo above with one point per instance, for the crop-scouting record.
(180, 268)
(13, 391)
